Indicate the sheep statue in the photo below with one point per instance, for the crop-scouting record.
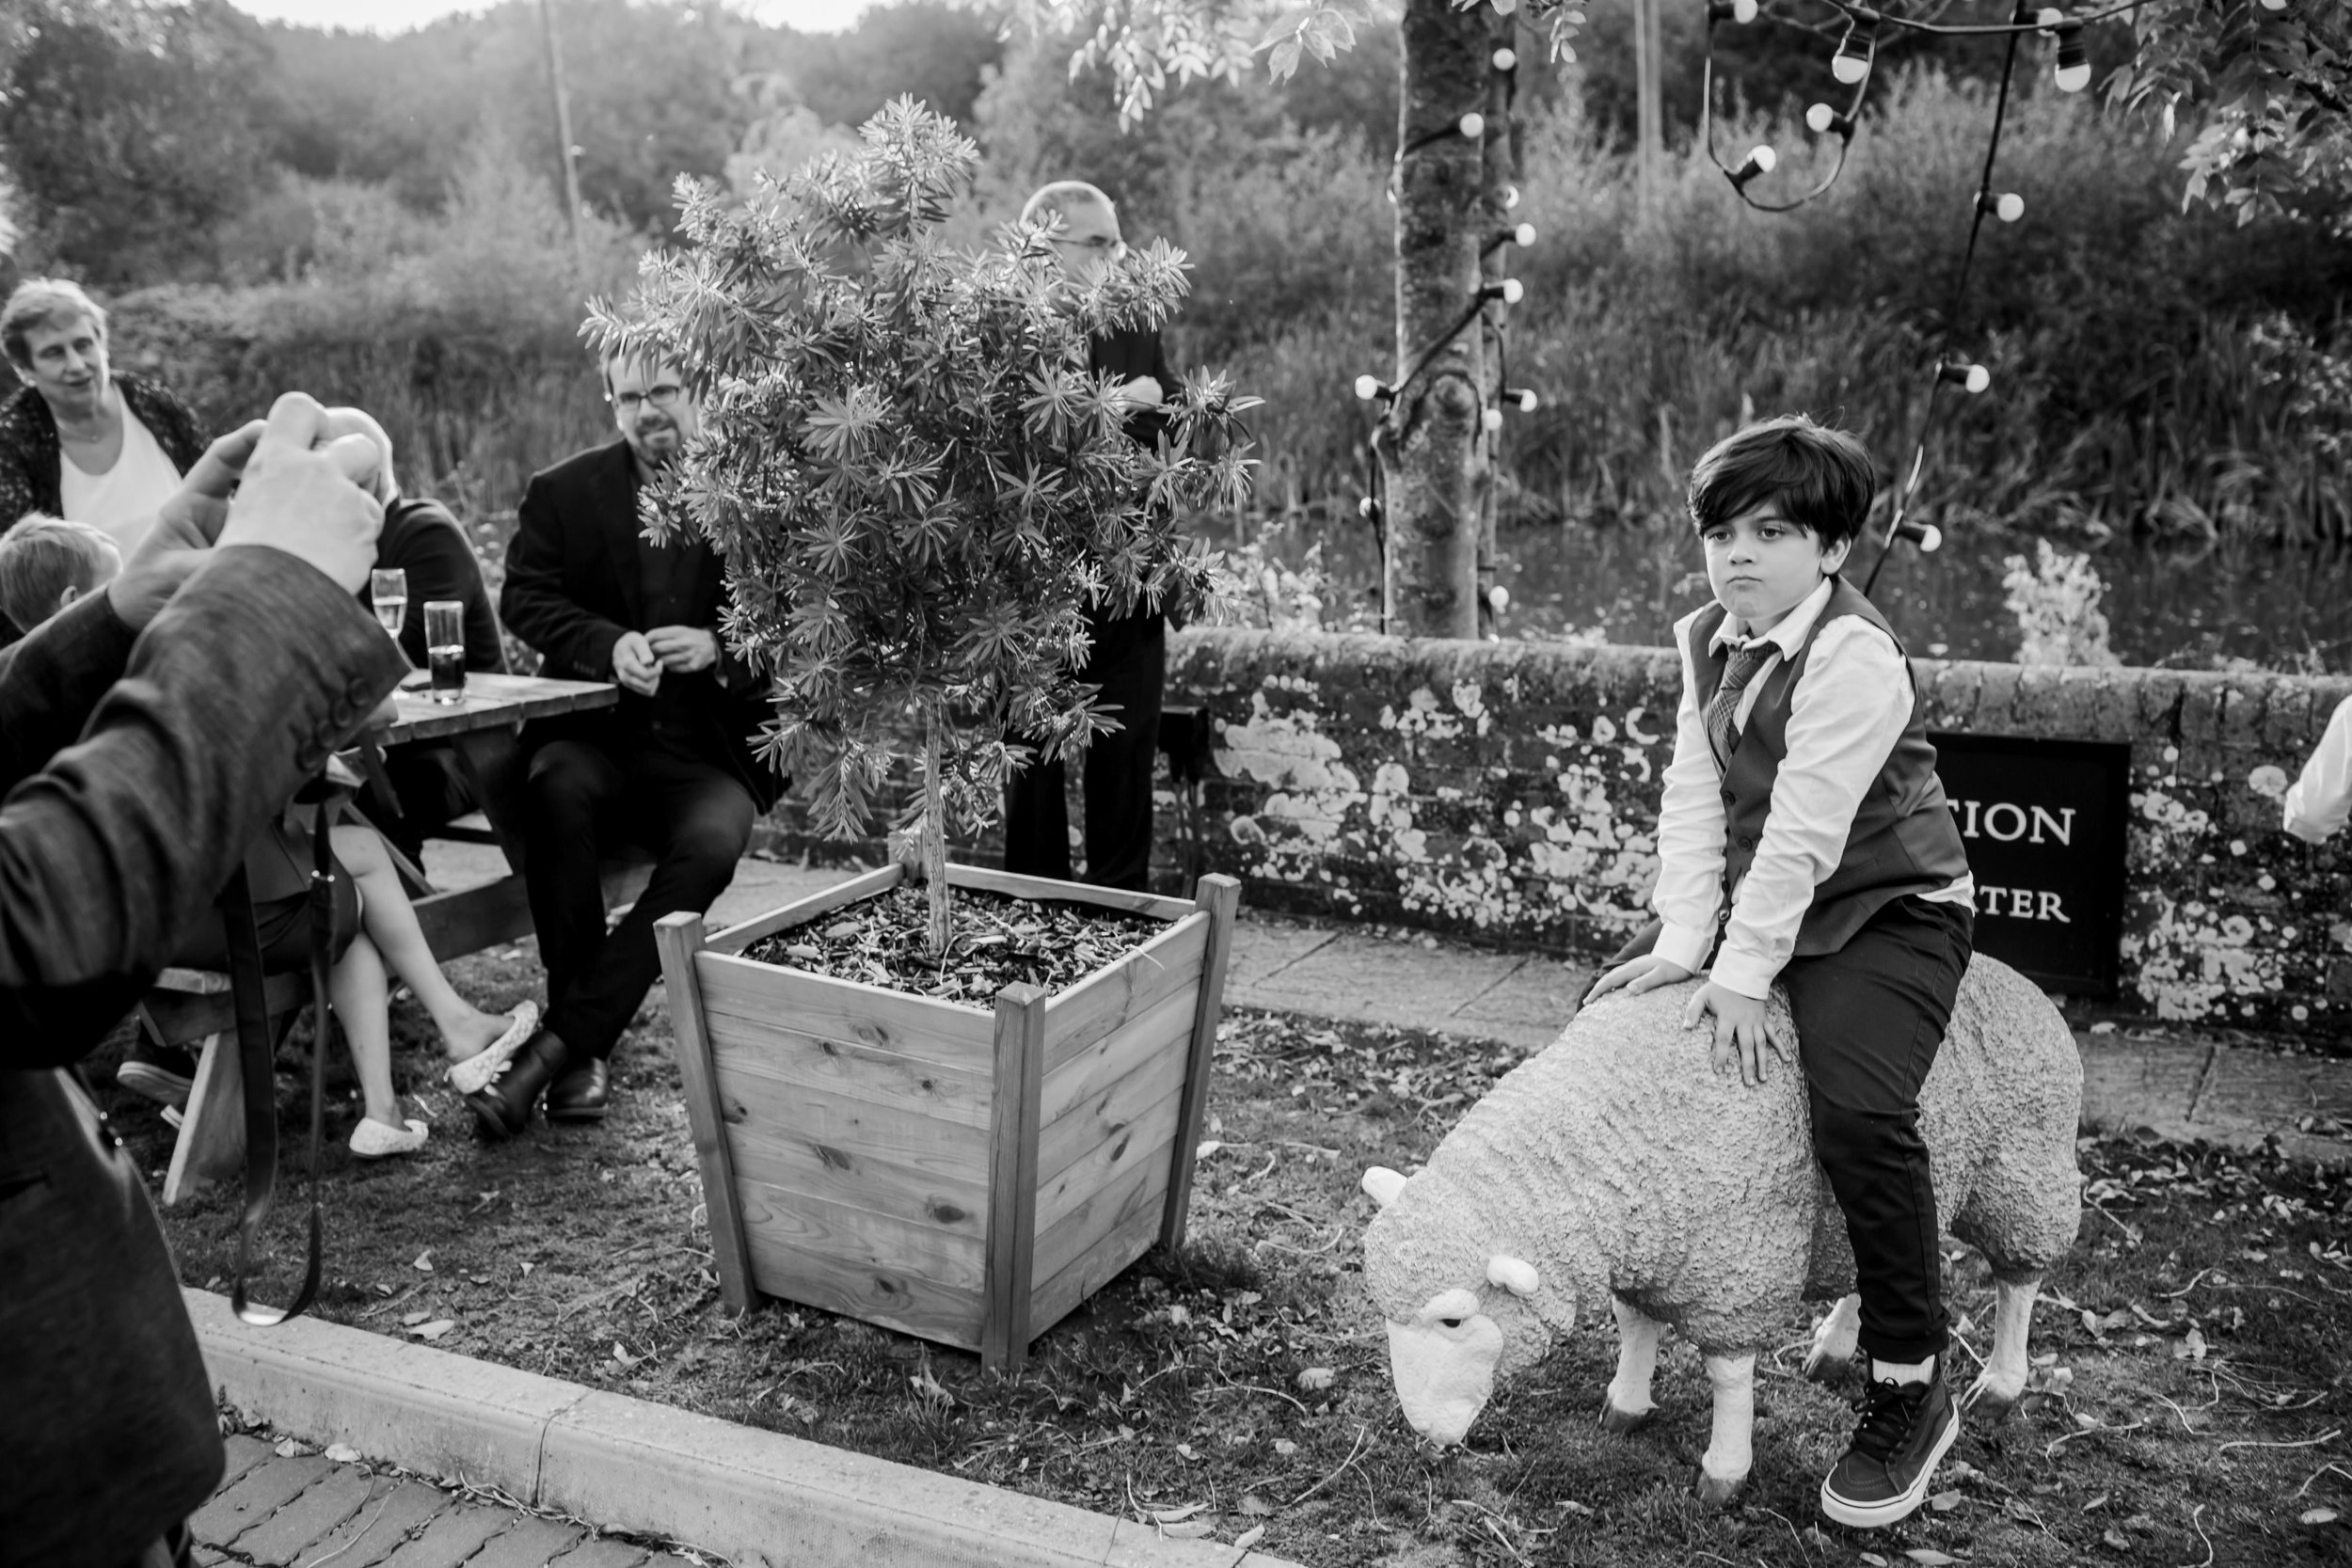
(1615, 1164)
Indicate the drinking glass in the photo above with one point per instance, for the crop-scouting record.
(389, 592)
(445, 648)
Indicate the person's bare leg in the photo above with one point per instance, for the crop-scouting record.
(391, 923)
(356, 988)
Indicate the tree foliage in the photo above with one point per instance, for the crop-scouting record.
(918, 487)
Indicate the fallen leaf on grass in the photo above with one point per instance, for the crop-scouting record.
(1944, 1503)
(1191, 1529)
(1249, 1538)
(2191, 1348)
(291, 1449)
(2117, 1540)
(411, 1319)
(931, 1390)
(1285, 1447)
(434, 1329)
(526, 1267)
(1258, 1508)
(2095, 1504)
(2316, 1516)
(1928, 1556)
(1874, 1559)
(424, 1261)
(620, 1354)
(1174, 1515)
(1314, 1379)
(344, 1453)
(1185, 1449)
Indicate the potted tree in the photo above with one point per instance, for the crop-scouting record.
(917, 489)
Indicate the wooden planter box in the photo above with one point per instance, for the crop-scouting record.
(962, 1175)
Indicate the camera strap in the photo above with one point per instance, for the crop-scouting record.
(248, 988)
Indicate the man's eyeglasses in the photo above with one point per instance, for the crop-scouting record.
(661, 396)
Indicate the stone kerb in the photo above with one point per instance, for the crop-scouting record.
(1509, 791)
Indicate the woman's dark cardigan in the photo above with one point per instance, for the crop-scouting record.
(29, 451)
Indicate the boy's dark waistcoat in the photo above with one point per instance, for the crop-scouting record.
(1903, 839)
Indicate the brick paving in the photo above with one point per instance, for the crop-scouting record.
(305, 1511)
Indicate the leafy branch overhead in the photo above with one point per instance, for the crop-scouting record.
(917, 486)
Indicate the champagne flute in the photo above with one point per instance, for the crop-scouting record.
(388, 591)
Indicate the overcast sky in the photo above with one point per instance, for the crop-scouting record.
(393, 16)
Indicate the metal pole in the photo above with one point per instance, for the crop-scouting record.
(562, 125)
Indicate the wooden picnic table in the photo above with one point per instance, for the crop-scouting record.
(189, 1006)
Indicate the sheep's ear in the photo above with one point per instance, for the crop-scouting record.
(1382, 1184)
(1514, 1274)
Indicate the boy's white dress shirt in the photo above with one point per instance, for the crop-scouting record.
(1849, 710)
(2321, 799)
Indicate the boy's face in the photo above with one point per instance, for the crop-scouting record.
(1761, 565)
(1088, 240)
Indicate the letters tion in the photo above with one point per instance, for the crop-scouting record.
(2043, 824)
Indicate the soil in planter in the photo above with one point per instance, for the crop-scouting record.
(998, 941)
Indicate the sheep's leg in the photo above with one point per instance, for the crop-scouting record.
(2004, 1376)
(1730, 1453)
(1628, 1405)
(1834, 1342)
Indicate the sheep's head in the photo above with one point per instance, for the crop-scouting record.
(1445, 1350)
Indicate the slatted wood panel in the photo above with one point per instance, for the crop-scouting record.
(929, 1187)
(1097, 1007)
(1059, 1295)
(1094, 1105)
(784, 1119)
(842, 1070)
(843, 1260)
(943, 1033)
(1100, 1216)
(1074, 893)
(1152, 1130)
(737, 938)
(1084, 1080)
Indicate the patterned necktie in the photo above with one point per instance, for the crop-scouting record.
(1739, 670)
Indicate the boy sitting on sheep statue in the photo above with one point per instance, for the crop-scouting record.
(1803, 839)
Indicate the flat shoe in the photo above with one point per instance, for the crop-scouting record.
(479, 1072)
(373, 1140)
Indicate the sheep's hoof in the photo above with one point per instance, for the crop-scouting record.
(1623, 1423)
(1988, 1401)
(1718, 1494)
(1822, 1366)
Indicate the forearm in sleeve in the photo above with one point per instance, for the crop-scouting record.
(1690, 835)
(258, 668)
(2318, 804)
(52, 680)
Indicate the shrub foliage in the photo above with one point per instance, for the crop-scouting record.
(918, 489)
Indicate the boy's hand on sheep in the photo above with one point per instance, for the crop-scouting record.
(1742, 1030)
(1636, 975)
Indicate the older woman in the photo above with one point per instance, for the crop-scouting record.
(78, 441)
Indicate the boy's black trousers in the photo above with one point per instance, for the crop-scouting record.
(1870, 1018)
(1129, 662)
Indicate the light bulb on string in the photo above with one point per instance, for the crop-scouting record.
(1498, 598)
(1524, 235)
(1523, 398)
(1970, 378)
(1822, 119)
(1852, 60)
(1370, 387)
(1367, 508)
(2074, 65)
(1506, 59)
(1741, 11)
(2274, 4)
(2008, 206)
(1474, 125)
(1926, 535)
(1510, 291)
(1510, 197)
(1491, 420)
(1760, 159)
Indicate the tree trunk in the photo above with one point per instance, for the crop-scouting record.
(1428, 444)
(934, 838)
(1498, 170)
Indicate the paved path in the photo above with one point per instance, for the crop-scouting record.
(306, 1510)
(2173, 1082)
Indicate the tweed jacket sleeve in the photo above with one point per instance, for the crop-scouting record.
(258, 669)
(50, 681)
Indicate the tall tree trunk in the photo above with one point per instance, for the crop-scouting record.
(1498, 170)
(934, 837)
(1428, 444)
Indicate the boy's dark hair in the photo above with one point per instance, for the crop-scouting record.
(41, 557)
(1821, 479)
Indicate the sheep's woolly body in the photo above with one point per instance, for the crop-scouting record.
(1617, 1161)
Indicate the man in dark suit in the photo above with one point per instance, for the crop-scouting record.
(1127, 656)
(146, 734)
(670, 770)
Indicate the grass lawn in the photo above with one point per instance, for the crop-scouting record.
(2194, 1407)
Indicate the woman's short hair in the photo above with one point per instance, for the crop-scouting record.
(41, 557)
(51, 302)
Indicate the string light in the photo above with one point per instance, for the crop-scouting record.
(1926, 535)
(1506, 59)
(1510, 291)
(1970, 378)
(1370, 387)
(1368, 509)
(2008, 206)
(1822, 119)
(1741, 11)
(1491, 420)
(1510, 197)
(1760, 159)
(1474, 125)
(1522, 396)
(1857, 50)
(2074, 65)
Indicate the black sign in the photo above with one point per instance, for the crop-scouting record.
(2044, 823)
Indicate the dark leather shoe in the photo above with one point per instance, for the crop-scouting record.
(581, 1094)
(504, 1109)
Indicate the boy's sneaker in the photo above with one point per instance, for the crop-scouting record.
(162, 1073)
(1906, 1429)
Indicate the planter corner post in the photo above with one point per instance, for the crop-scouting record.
(679, 937)
(1011, 1259)
(1220, 896)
